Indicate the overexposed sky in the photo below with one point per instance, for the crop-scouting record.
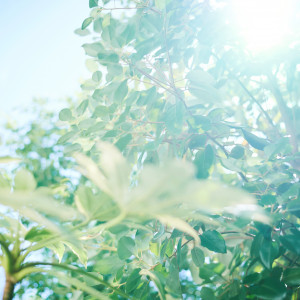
(40, 56)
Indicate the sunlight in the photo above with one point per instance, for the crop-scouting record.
(264, 24)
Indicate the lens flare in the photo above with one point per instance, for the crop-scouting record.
(263, 24)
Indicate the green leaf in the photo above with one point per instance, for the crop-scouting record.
(237, 152)
(93, 49)
(78, 284)
(122, 142)
(173, 282)
(85, 124)
(180, 225)
(198, 256)
(204, 160)
(197, 141)
(202, 122)
(169, 249)
(108, 265)
(36, 233)
(65, 115)
(93, 3)
(86, 23)
(252, 278)
(101, 111)
(126, 247)
(121, 92)
(82, 107)
(207, 294)
(157, 280)
(72, 148)
(80, 32)
(133, 280)
(85, 201)
(154, 248)
(24, 180)
(294, 207)
(255, 141)
(58, 249)
(291, 277)
(106, 20)
(93, 206)
(213, 240)
(97, 76)
(79, 251)
(291, 242)
(268, 252)
(269, 289)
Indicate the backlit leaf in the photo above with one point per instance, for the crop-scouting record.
(213, 240)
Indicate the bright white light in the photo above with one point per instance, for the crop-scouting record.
(263, 24)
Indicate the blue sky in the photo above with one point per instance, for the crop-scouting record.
(40, 56)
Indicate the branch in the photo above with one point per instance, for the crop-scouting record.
(284, 112)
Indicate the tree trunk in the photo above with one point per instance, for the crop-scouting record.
(8, 289)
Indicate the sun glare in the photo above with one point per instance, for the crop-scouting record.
(263, 24)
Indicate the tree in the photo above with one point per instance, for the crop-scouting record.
(188, 149)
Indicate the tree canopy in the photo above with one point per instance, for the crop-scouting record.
(174, 176)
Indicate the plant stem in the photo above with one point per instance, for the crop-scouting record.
(9, 288)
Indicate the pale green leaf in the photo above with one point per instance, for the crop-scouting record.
(24, 180)
(86, 23)
(79, 251)
(9, 160)
(180, 225)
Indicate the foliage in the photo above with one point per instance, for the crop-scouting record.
(188, 149)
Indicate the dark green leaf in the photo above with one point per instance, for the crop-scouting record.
(291, 242)
(267, 252)
(207, 294)
(270, 289)
(252, 278)
(237, 152)
(213, 240)
(93, 3)
(294, 207)
(133, 280)
(291, 277)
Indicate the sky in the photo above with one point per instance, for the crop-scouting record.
(40, 55)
